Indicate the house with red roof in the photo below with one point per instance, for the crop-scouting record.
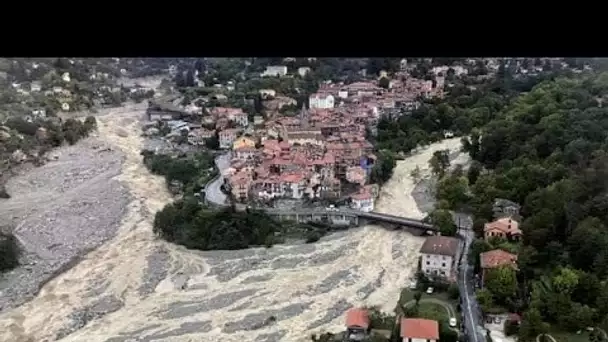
(357, 324)
(419, 330)
(494, 259)
(505, 227)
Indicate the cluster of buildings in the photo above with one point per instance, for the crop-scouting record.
(439, 255)
(317, 154)
(401, 96)
(321, 153)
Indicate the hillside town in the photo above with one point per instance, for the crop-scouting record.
(323, 152)
(296, 199)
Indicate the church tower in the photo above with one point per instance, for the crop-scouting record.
(304, 116)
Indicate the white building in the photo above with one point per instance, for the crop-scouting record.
(265, 93)
(244, 153)
(363, 202)
(241, 119)
(66, 77)
(439, 255)
(302, 71)
(321, 101)
(35, 86)
(258, 120)
(275, 70)
(227, 137)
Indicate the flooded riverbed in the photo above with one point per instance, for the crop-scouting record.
(136, 286)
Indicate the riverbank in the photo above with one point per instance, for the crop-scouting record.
(424, 190)
(402, 195)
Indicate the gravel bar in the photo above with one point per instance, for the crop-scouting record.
(156, 271)
(66, 208)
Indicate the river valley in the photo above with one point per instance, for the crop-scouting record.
(137, 286)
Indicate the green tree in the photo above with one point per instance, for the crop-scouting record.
(443, 220)
(485, 299)
(454, 291)
(440, 162)
(565, 281)
(474, 172)
(417, 297)
(502, 282)
(454, 190)
(598, 335)
(383, 168)
(532, 325)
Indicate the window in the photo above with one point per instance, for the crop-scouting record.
(428, 262)
(443, 264)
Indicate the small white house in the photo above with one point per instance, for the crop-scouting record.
(265, 93)
(363, 201)
(35, 86)
(39, 113)
(65, 106)
(302, 71)
(275, 70)
(321, 101)
(66, 77)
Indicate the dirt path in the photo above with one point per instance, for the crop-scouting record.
(135, 286)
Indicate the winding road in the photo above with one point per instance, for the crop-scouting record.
(213, 191)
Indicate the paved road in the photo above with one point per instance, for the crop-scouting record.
(213, 193)
(471, 314)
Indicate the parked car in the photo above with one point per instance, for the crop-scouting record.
(453, 322)
(430, 290)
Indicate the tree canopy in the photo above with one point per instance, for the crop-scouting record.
(548, 150)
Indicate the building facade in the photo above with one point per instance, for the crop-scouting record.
(439, 255)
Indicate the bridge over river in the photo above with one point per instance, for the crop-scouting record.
(346, 216)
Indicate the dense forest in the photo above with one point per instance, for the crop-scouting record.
(184, 173)
(548, 151)
(468, 104)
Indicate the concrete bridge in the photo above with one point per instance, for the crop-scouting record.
(346, 217)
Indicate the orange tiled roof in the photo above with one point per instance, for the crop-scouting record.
(505, 224)
(497, 258)
(357, 318)
(425, 329)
